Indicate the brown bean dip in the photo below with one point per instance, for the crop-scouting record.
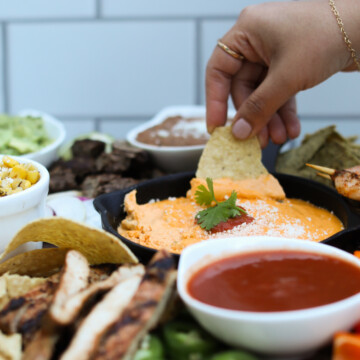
(176, 131)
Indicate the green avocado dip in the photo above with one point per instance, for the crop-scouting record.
(22, 135)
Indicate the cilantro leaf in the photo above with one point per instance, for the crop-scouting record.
(210, 217)
(203, 196)
(221, 212)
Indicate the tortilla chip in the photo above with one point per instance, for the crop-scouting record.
(16, 285)
(42, 262)
(226, 157)
(296, 159)
(326, 147)
(10, 347)
(98, 246)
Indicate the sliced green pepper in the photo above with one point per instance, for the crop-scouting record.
(188, 341)
(151, 349)
(233, 355)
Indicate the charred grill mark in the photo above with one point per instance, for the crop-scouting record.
(127, 319)
(139, 316)
(29, 327)
(158, 269)
(90, 303)
(14, 304)
(164, 264)
(24, 310)
(30, 324)
(131, 317)
(101, 272)
(149, 303)
(9, 322)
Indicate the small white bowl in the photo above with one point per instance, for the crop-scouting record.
(172, 158)
(55, 130)
(286, 333)
(18, 209)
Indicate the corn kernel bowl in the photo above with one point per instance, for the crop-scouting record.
(19, 207)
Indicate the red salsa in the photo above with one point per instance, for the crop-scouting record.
(275, 281)
(231, 223)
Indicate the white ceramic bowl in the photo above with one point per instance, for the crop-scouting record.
(172, 158)
(55, 130)
(18, 209)
(287, 333)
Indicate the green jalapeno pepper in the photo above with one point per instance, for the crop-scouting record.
(233, 355)
(150, 349)
(187, 341)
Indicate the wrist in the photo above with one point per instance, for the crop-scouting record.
(347, 16)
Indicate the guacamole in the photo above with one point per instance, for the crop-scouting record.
(22, 135)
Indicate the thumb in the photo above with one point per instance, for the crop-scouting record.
(256, 111)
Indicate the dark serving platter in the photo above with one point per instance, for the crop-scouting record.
(111, 206)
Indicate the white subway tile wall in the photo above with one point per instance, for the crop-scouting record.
(2, 72)
(78, 126)
(110, 65)
(119, 128)
(101, 68)
(198, 8)
(45, 9)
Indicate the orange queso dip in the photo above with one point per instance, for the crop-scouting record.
(170, 224)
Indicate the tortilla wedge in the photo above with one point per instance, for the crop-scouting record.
(98, 246)
(40, 263)
(225, 156)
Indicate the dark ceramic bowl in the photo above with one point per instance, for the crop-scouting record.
(111, 206)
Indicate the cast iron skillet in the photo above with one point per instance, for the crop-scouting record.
(110, 206)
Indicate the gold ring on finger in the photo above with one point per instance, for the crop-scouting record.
(233, 53)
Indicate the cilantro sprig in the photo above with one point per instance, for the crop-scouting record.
(220, 212)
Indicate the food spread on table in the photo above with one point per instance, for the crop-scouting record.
(16, 177)
(101, 294)
(89, 298)
(74, 301)
(235, 171)
(22, 134)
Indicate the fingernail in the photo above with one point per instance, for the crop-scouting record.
(241, 129)
(210, 128)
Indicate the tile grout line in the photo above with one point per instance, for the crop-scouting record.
(97, 124)
(121, 117)
(124, 117)
(99, 17)
(325, 117)
(198, 60)
(98, 11)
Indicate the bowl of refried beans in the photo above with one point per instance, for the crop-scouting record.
(175, 137)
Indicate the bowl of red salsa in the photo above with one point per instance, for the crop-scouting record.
(274, 296)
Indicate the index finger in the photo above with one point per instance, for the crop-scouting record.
(219, 72)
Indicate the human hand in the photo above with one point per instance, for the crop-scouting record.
(288, 47)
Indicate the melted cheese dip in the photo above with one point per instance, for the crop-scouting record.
(170, 224)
